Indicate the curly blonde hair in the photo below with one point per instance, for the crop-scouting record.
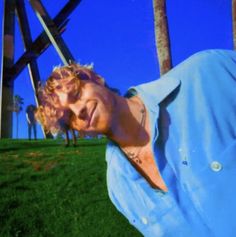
(67, 79)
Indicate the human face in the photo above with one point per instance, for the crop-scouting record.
(92, 106)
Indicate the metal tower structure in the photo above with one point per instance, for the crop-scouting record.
(53, 28)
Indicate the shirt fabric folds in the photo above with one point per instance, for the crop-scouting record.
(192, 111)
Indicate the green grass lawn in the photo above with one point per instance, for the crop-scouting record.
(48, 190)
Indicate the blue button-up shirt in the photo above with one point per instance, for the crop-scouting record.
(195, 151)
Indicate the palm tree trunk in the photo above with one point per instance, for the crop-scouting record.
(162, 36)
(234, 22)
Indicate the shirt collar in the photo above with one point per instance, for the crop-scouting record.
(152, 93)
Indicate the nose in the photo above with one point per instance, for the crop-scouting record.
(79, 110)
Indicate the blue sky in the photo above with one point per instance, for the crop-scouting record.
(118, 37)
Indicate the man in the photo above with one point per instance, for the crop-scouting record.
(31, 121)
(171, 166)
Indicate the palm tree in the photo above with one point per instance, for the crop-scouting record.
(18, 101)
(234, 22)
(162, 36)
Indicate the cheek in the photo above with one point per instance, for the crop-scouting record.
(106, 101)
(95, 92)
(104, 117)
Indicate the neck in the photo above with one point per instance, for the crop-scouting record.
(128, 128)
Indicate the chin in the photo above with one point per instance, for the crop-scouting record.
(99, 129)
(100, 124)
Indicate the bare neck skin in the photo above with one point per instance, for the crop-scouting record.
(126, 129)
(128, 132)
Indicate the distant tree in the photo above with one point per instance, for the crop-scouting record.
(162, 36)
(18, 101)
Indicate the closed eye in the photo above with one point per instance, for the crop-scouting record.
(73, 97)
(58, 87)
(82, 76)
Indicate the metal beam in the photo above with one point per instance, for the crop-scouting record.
(52, 32)
(27, 39)
(42, 41)
(9, 70)
(37, 48)
(7, 85)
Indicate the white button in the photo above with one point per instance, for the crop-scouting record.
(144, 220)
(216, 166)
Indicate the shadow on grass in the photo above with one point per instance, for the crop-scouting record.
(46, 144)
(6, 184)
(26, 146)
(88, 144)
